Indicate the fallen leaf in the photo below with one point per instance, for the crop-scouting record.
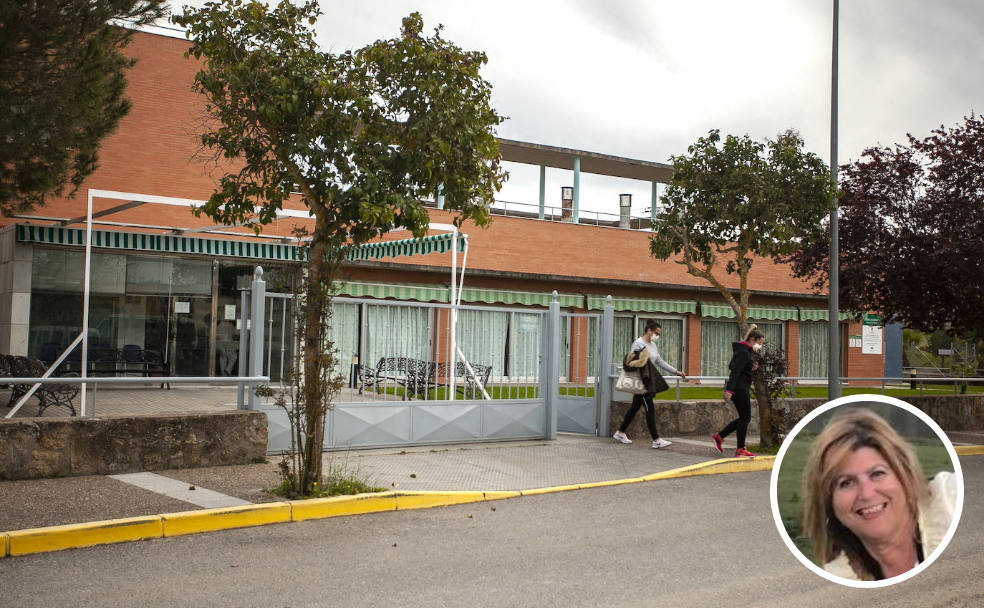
(414, 475)
(191, 487)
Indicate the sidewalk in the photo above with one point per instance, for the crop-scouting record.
(510, 466)
(520, 465)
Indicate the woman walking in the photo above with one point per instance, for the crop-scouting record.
(736, 391)
(648, 342)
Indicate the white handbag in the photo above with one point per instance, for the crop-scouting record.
(630, 382)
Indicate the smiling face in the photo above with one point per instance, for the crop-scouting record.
(869, 499)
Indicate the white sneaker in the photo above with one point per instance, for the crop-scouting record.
(621, 437)
(661, 443)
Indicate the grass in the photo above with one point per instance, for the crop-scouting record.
(932, 455)
(495, 391)
(337, 479)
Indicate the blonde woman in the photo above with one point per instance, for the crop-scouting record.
(869, 511)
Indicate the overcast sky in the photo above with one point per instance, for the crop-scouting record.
(645, 79)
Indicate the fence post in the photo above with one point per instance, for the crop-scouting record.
(551, 367)
(606, 335)
(243, 348)
(257, 303)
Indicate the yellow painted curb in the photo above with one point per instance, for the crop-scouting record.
(424, 500)
(549, 490)
(207, 520)
(969, 450)
(717, 467)
(4, 544)
(56, 538)
(615, 482)
(336, 506)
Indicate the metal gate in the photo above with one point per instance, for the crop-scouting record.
(579, 382)
(278, 334)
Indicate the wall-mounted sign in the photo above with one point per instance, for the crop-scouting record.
(871, 340)
(182, 308)
(871, 319)
(854, 341)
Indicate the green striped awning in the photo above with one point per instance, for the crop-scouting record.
(398, 291)
(438, 243)
(142, 241)
(765, 313)
(442, 293)
(644, 305)
(529, 298)
(821, 314)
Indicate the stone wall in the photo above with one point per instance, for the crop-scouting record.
(33, 448)
(951, 412)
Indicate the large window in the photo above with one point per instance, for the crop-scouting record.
(716, 338)
(813, 349)
(670, 345)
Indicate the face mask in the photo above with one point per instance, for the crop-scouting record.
(757, 347)
(655, 337)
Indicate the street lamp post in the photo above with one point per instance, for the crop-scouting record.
(833, 360)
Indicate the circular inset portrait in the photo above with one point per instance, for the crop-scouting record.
(866, 491)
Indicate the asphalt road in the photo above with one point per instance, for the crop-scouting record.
(705, 541)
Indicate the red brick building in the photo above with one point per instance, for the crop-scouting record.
(161, 296)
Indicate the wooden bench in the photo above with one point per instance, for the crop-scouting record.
(61, 395)
(412, 374)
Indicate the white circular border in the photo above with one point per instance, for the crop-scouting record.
(777, 466)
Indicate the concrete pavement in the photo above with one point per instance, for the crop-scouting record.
(706, 541)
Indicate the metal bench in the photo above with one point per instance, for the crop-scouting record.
(465, 384)
(412, 374)
(48, 395)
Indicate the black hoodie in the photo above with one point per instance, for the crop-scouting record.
(741, 367)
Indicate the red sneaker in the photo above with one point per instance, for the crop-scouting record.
(743, 453)
(718, 442)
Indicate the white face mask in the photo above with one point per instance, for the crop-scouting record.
(757, 347)
(654, 338)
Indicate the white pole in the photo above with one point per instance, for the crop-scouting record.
(454, 310)
(85, 301)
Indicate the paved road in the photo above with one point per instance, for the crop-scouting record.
(690, 542)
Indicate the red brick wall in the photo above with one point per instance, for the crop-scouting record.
(792, 347)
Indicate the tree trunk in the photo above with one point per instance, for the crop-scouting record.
(314, 412)
(766, 434)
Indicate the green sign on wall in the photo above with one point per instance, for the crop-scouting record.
(871, 319)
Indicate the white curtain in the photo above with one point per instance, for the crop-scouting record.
(813, 349)
(344, 334)
(622, 338)
(670, 343)
(396, 331)
(525, 331)
(481, 336)
(715, 343)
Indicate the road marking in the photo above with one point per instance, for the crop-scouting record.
(174, 488)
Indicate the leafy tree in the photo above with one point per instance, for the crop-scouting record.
(61, 91)
(363, 135)
(735, 199)
(911, 232)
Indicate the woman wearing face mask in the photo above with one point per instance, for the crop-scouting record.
(736, 391)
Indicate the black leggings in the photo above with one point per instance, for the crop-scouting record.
(637, 402)
(744, 406)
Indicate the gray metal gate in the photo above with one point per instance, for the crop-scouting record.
(578, 396)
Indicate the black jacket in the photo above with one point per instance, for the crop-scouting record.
(741, 367)
(654, 381)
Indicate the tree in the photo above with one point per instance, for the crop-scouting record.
(362, 135)
(732, 200)
(62, 81)
(911, 232)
